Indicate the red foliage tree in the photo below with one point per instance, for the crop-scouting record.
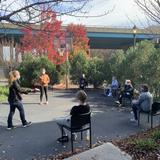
(42, 41)
(80, 39)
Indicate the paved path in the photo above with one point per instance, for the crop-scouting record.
(40, 139)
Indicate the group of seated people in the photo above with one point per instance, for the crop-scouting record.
(117, 91)
(139, 100)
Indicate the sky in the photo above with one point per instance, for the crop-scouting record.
(123, 13)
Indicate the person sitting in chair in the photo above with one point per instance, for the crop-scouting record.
(144, 102)
(81, 108)
(114, 86)
(127, 92)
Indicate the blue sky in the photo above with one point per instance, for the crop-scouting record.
(124, 13)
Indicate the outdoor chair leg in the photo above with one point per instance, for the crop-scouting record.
(62, 134)
(71, 142)
(148, 117)
(139, 118)
(151, 121)
(81, 136)
(62, 131)
(90, 137)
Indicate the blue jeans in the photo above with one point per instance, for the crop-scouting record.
(13, 106)
(63, 121)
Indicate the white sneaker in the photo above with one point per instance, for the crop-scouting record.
(133, 120)
(110, 94)
(117, 102)
(27, 124)
(10, 128)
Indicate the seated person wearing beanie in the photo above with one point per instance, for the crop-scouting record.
(81, 108)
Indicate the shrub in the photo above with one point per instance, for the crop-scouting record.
(30, 70)
(145, 144)
(156, 135)
(96, 71)
(79, 66)
(3, 93)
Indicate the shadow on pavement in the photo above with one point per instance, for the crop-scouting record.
(108, 122)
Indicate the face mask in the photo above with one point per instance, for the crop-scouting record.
(18, 77)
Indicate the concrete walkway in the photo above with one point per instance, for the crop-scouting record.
(40, 139)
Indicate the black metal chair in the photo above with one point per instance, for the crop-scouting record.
(155, 111)
(80, 123)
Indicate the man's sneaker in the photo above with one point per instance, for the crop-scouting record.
(27, 124)
(46, 102)
(63, 139)
(10, 128)
(133, 120)
(40, 103)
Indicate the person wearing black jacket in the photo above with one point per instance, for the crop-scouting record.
(127, 92)
(82, 108)
(83, 82)
(15, 99)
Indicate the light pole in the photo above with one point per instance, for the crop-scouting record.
(65, 46)
(68, 42)
(157, 45)
(134, 36)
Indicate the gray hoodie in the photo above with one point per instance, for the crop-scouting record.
(145, 101)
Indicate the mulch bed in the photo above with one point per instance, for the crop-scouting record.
(128, 145)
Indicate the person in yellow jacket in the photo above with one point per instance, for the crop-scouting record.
(44, 80)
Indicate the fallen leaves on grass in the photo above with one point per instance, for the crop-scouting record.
(141, 146)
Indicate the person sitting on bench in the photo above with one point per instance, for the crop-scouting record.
(81, 108)
(144, 102)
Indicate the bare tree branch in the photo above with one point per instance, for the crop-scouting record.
(30, 8)
(151, 8)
